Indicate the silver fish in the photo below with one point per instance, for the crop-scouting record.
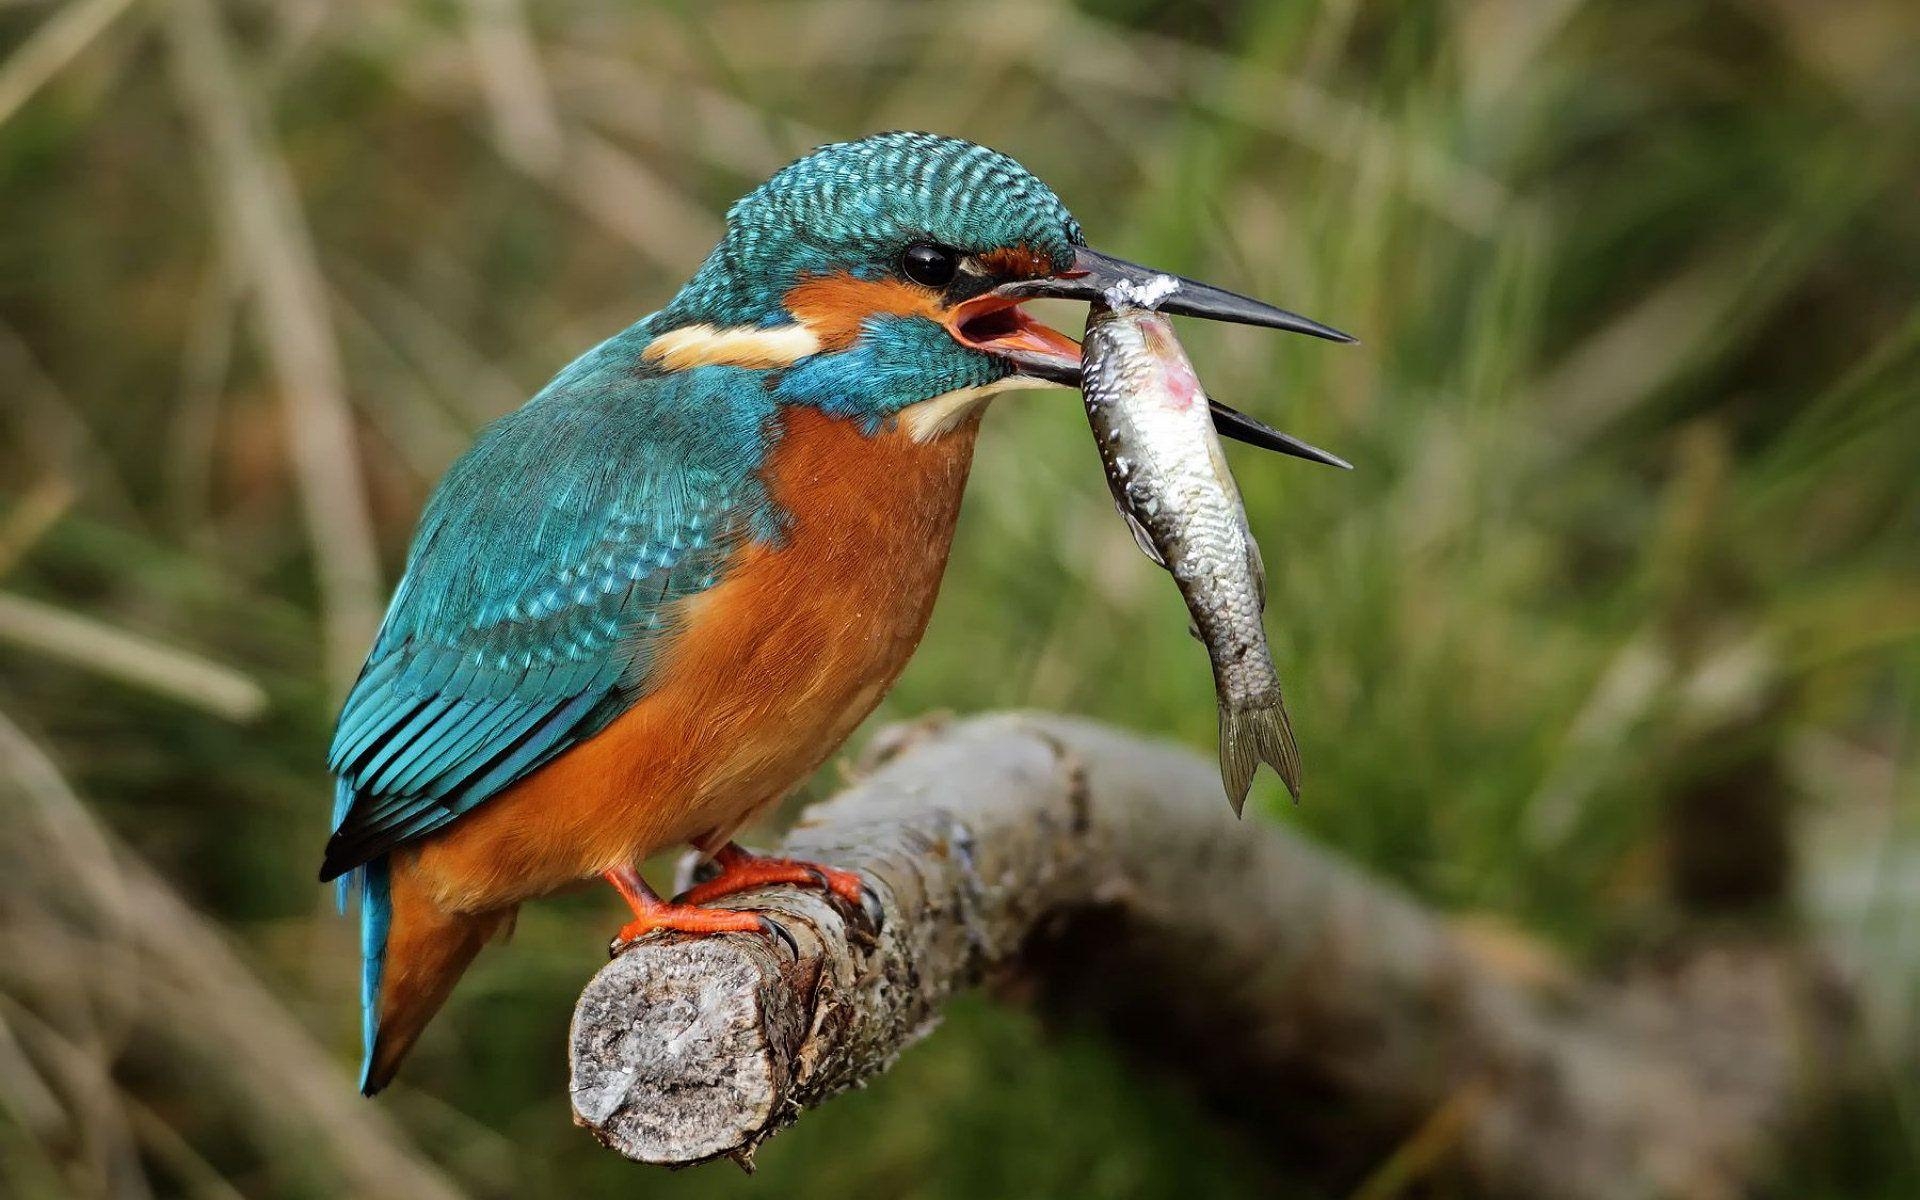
(1152, 421)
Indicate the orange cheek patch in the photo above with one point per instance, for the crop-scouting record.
(1017, 262)
(835, 306)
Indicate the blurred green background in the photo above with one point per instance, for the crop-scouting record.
(1615, 628)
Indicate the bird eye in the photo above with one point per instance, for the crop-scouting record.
(934, 266)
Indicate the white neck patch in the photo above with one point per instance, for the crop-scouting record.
(737, 346)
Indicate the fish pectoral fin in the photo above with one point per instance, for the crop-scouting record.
(1141, 537)
(1257, 566)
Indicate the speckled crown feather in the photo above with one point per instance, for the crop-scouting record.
(852, 206)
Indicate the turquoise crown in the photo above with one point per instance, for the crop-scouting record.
(852, 206)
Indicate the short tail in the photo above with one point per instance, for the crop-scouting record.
(412, 953)
(376, 919)
(1249, 736)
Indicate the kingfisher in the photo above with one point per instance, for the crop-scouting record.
(649, 603)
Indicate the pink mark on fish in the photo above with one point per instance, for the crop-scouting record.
(1182, 385)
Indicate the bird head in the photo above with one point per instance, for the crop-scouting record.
(885, 276)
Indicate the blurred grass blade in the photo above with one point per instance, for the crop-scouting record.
(130, 658)
(28, 521)
(1167, 71)
(194, 992)
(719, 128)
(53, 45)
(623, 194)
(525, 126)
(274, 250)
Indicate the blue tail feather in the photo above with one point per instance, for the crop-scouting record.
(342, 801)
(376, 917)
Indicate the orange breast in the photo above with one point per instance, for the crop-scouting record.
(769, 672)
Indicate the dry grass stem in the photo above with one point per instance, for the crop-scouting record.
(130, 658)
(58, 40)
(275, 252)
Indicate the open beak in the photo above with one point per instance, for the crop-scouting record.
(995, 323)
(1232, 423)
(1093, 273)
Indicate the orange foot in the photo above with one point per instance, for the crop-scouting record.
(650, 912)
(742, 871)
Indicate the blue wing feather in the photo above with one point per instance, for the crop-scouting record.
(394, 748)
(540, 585)
(426, 757)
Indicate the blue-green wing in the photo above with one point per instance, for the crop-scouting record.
(540, 589)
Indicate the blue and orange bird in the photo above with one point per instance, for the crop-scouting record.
(653, 600)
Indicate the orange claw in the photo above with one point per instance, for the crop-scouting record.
(650, 913)
(742, 871)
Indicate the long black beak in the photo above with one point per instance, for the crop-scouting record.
(1228, 422)
(1240, 427)
(1093, 273)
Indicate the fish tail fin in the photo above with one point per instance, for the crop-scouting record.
(1250, 735)
(412, 953)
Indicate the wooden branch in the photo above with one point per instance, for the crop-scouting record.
(1108, 873)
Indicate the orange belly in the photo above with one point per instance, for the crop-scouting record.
(769, 672)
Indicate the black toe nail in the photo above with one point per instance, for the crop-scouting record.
(871, 909)
(774, 928)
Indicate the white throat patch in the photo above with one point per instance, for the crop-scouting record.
(783, 345)
(944, 413)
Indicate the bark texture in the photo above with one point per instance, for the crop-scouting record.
(1105, 874)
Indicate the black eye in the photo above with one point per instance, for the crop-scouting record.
(932, 265)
